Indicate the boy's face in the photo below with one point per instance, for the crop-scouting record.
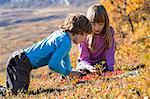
(80, 38)
(97, 28)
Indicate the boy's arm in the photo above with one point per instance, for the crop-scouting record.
(109, 53)
(58, 55)
(66, 62)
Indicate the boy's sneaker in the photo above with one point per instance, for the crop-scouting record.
(2, 91)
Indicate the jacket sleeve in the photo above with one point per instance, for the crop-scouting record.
(84, 53)
(66, 62)
(109, 53)
(55, 62)
(84, 57)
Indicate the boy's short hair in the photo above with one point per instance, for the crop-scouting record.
(77, 24)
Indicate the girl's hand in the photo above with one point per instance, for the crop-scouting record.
(91, 68)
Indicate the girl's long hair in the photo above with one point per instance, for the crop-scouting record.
(98, 14)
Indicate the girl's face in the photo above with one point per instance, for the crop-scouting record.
(97, 28)
(79, 38)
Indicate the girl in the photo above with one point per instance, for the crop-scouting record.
(99, 46)
(52, 51)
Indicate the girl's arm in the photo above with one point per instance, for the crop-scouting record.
(84, 52)
(84, 58)
(109, 53)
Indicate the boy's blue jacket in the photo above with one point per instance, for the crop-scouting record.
(52, 51)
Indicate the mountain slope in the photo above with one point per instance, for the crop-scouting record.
(43, 3)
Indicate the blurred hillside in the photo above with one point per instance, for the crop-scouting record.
(43, 3)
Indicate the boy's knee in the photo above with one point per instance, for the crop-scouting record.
(19, 87)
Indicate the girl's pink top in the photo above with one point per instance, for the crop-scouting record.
(100, 54)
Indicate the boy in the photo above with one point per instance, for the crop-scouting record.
(52, 51)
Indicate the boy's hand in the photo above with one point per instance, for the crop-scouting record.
(74, 73)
